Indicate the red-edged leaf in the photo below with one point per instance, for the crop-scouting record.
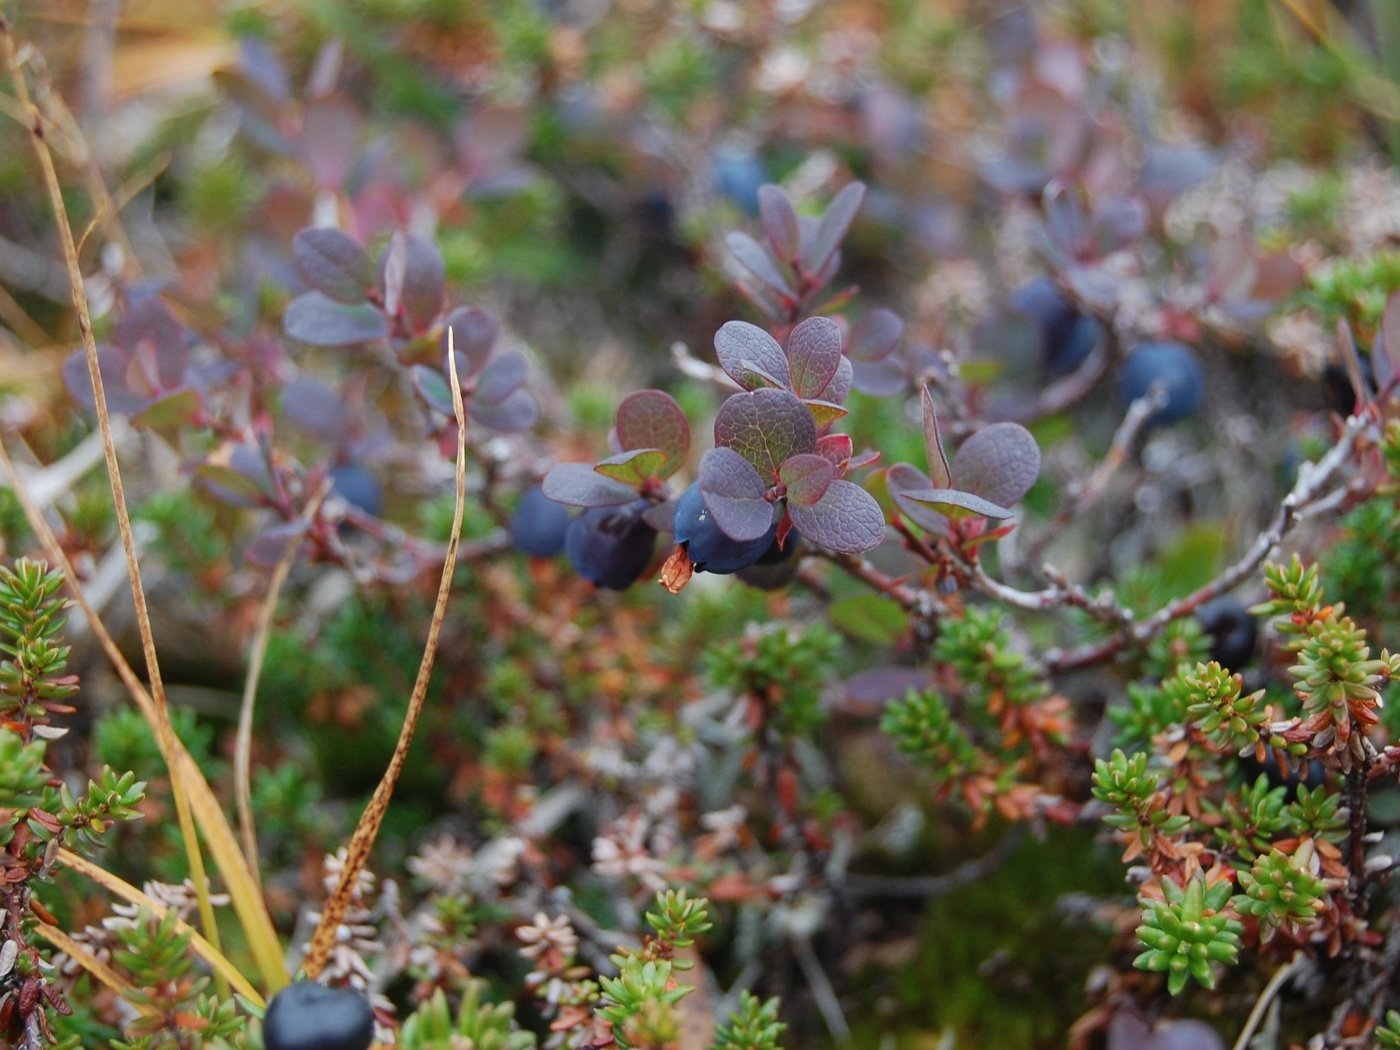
(824, 413)
(758, 261)
(902, 479)
(315, 319)
(734, 494)
(414, 278)
(474, 333)
(833, 227)
(874, 336)
(938, 470)
(846, 520)
(740, 346)
(652, 419)
(958, 504)
(634, 468)
(865, 459)
(814, 354)
(807, 476)
(332, 262)
(779, 221)
(580, 485)
(765, 427)
(999, 463)
(836, 448)
(152, 335)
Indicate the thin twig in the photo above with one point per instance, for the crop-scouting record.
(362, 841)
(164, 730)
(828, 1005)
(243, 741)
(1276, 983)
(926, 886)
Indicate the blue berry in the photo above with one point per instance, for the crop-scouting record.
(309, 1016)
(1066, 336)
(1232, 630)
(738, 172)
(709, 548)
(1175, 366)
(611, 546)
(539, 524)
(357, 487)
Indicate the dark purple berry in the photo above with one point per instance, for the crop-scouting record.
(309, 1016)
(611, 546)
(1232, 632)
(539, 524)
(357, 487)
(709, 548)
(1176, 367)
(1066, 336)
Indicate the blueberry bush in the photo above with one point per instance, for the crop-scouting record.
(700, 526)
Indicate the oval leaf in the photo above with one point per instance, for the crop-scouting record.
(874, 335)
(501, 378)
(765, 427)
(958, 504)
(807, 477)
(902, 479)
(839, 388)
(734, 494)
(755, 258)
(832, 228)
(315, 319)
(846, 520)
(933, 443)
(999, 463)
(332, 262)
(814, 354)
(579, 485)
(634, 468)
(474, 333)
(520, 411)
(779, 221)
(652, 419)
(740, 345)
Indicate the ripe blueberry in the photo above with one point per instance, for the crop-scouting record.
(309, 1016)
(539, 524)
(1066, 335)
(738, 172)
(357, 487)
(1232, 630)
(611, 546)
(1176, 367)
(709, 548)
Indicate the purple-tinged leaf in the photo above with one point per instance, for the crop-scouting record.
(330, 139)
(313, 407)
(958, 504)
(333, 263)
(833, 227)
(735, 495)
(173, 410)
(433, 388)
(111, 364)
(652, 419)
(765, 427)
(902, 479)
(806, 476)
(836, 448)
(999, 463)
(579, 485)
(520, 411)
(634, 468)
(503, 376)
(765, 300)
(1386, 351)
(779, 222)
(268, 547)
(314, 319)
(414, 278)
(846, 520)
(474, 332)
(824, 413)
(756, 259)
(741, 346)
(879, 378)
(938, 470)
(814, 354)
(149, 331)
(840, 386)
(236, 474)
(874, 336)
